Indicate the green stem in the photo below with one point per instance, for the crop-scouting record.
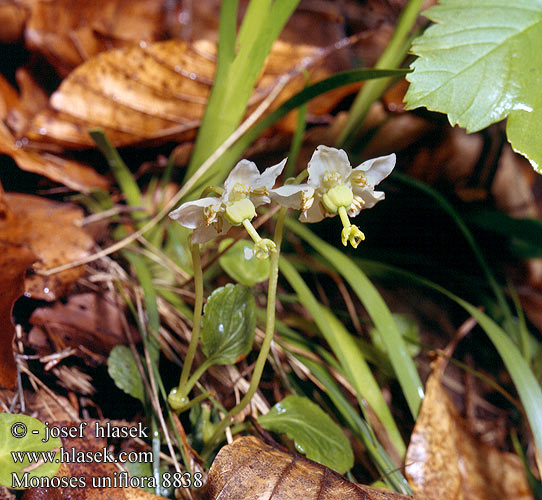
(198, 306)
(198, 372)
(196, 400)
(395, 52)
(212, 190)
(266, 344)
(121, 172)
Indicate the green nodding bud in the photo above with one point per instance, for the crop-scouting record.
(239, 211)
(176, 400)
(338, 196)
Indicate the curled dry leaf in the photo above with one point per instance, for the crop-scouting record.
(70, 173)
(91, 323)
(13, 265)
(13, 15)
(41, 404)
(49, 229)
(446, 462)
(157, 92)
(68, 32)
(250, 468)
(87, 471)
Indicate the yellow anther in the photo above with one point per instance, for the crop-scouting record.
(306, 201)
(209, 215)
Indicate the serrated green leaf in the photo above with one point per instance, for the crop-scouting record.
(122, 368)
(32, 431)
(315, 434)
(480, 64)
(241, 264)
(229, 320)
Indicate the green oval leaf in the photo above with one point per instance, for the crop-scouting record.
(229, 320)
(409, 331)
(122, 368)
(241, 264)
(314, 433)
(13, 458)
(481, 63)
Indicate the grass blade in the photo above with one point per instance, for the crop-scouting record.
(403, 366)
(347, 352)
(359, 427)
(310, 92)
(524, 380)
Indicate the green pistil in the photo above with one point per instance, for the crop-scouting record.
(263, 247)
(350, 232)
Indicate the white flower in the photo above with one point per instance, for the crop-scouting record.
(334, 187)
(337, 184)
(244, 190)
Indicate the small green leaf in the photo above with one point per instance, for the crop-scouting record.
(229, 320)
(32, 431)
(122, 368)
(241, 264)
(480, 64)
(407, 328)
(315, 434)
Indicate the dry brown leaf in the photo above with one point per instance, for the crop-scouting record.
(91, 323)
(446, 462)
(89, 443)
(49, 229)
(153, 92)
(68, 32)
(42, 404)
(13, 15)
(70, 173)
(251, 469)
(13, 265)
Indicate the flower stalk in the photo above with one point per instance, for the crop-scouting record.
(266, 344)
(178, 398)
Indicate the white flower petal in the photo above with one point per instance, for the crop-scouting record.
(205, 233)
(314, 214)
(245, 173)
(292, 195)
(326, 159)
(269, 176)
(190, 214)
(259, 200)
(377, 169)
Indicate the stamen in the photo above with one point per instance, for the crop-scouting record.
(210, 215)
(331, 177)
(306, 201)
(359, 179)
(358, 202)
